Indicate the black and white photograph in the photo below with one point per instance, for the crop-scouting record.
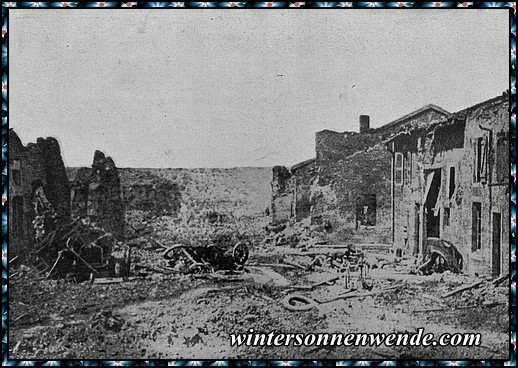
(258, 184)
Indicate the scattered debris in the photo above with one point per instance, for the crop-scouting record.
(462, 289)
(205, 259)
(75, 249)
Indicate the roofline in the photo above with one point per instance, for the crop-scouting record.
(433, 107)
(494, 100)
(302, 164)
(456, 116)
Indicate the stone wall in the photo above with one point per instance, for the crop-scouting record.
(200, 200)
(340, 188)
(97, 194)
(30, 167)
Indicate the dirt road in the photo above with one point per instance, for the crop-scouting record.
(182, 317)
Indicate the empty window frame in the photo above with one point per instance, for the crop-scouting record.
(452, 186)
(476, 226)
(481, 155)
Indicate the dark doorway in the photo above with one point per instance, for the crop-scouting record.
(432, 204)
(303, 205)
(366, 210)
(497, 250)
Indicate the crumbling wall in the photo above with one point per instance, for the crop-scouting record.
(57, 186)
(96, 194)
(282, 194)
(303, 178)
(31, 167)
(469, 151)
(353, 167)
(340, 186)
(332, 144)
(105, 204)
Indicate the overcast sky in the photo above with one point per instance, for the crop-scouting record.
(225, 88)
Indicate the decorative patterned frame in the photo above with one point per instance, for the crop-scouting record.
(142, 5)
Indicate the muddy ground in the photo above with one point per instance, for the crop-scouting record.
(190, 317)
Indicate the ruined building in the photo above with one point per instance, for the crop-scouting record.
(428, 178)
(96, 194)
(451, 185)
(346, 188)
(37, 182)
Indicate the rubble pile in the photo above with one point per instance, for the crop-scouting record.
(151, 236)
(293, 234)
(73, 249)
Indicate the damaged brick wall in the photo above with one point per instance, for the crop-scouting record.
(30, 167)
(97, 194)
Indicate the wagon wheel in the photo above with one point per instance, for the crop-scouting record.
(240, 254)
(178, 257)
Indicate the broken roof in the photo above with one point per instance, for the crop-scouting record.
(429, 107)
(448, 121)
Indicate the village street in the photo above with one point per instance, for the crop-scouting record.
(191, 316)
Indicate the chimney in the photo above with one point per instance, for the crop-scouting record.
(364, 123)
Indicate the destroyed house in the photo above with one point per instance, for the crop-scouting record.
(291, 191)
(39, 191)
(96, 194)
(450, 186)
(345, 190)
